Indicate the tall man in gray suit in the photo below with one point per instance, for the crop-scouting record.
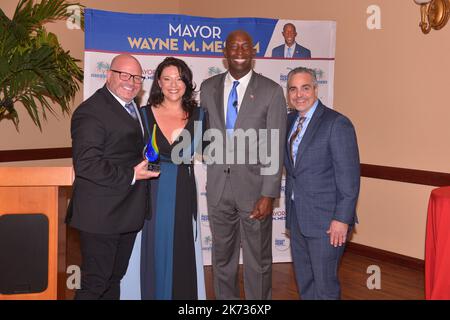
(322, 186)
(240, 195)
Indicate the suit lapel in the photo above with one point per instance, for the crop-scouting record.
(310, 131)
(119, 110)
(296, 51)
(247, 104)
(116, 107)
(218, 94)
(290, 122)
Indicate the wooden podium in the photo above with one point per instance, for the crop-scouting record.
(45, 190)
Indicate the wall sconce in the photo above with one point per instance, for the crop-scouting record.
(434, 14)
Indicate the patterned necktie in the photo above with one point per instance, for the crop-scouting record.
(294, 136)
(129, 106)
(232, 107)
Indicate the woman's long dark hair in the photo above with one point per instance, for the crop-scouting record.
(188, 101)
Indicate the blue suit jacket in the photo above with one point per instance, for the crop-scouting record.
(326, 175)
(299, 52)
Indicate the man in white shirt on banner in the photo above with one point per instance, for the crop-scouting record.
(290, 48)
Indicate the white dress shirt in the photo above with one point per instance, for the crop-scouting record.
(241, 88)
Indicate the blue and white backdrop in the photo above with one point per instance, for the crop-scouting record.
(199, 41)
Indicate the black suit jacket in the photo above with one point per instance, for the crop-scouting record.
(106, 143)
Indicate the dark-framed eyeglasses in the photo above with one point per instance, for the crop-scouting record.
(125, 76)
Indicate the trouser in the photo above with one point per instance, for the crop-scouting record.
(231, 227)
(316, 264)
(104, 263)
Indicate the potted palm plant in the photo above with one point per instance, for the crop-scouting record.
(35, 71)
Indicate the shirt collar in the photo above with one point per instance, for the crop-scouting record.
(293, 46)
(242, 81)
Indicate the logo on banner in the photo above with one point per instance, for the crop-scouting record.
(279, 214)
(207, 243)
(283, 185)
(212, 71)
(149, 74)
(284, 77)
(320, 75)
(282, 243)
(100, 67)
(204, 219)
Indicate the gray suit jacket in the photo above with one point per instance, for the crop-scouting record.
(326, 176)
(263, 107)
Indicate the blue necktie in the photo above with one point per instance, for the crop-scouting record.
(129, 106)
(232, 107)
(289, 55)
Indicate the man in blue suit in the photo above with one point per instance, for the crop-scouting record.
(322, 186)
(290, 48)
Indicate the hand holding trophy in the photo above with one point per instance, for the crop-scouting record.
(151, 152)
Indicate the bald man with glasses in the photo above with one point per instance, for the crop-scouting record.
(110, 191)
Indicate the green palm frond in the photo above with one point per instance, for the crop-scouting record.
(34, 69)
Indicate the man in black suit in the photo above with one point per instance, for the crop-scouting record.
(110, 191)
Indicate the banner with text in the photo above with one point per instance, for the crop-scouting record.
(200, 42)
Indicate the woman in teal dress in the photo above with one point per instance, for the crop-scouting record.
(167, 262)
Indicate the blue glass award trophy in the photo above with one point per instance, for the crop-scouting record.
(151, 152)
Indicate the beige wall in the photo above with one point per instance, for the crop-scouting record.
(392, 216)
(391, 82)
